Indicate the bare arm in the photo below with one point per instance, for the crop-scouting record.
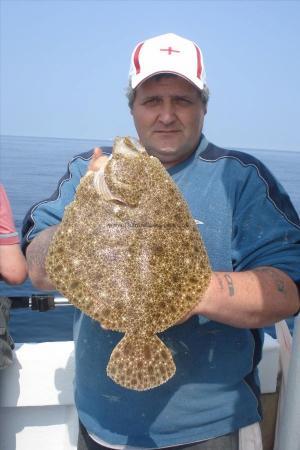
(36, 255)
(13, 267)
(250, 299)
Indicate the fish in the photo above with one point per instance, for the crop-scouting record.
(129, 255)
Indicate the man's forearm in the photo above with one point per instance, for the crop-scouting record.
(250, 299)
(36, 255)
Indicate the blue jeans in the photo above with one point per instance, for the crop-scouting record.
(228, 442)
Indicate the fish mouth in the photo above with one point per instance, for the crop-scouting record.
(106, 182)
(128, 146)
(102, 188)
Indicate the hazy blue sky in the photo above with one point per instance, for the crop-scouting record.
(64, 66)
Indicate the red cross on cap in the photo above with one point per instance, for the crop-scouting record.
(170, 50)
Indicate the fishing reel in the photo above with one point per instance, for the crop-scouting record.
(37, 302)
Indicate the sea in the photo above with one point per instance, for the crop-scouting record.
(30, 168)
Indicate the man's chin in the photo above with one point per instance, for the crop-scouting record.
(163, 147)
(163, 153)
(168, 150)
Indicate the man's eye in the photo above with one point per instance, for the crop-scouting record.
(152, 101)
(183, 101)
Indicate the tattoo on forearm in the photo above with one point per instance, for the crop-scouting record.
(220, 282)
(229, 284)
(280, 284)
(276, 277)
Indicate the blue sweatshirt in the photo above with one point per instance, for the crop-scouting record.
(246, 220)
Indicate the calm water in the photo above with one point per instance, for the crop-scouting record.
(30, 168)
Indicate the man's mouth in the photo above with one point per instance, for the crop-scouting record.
(167, 131)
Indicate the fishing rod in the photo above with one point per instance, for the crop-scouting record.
(38, 302)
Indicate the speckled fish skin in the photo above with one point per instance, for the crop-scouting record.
(129, 254)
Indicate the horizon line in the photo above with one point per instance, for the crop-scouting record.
(111, 139)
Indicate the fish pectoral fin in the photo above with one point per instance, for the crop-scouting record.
(141, 362)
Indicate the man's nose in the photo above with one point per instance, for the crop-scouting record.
(167, 113)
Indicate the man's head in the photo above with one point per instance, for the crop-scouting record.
(168, 96)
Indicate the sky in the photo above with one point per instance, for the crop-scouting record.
(64, 66)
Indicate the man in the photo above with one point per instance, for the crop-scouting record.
(13, 270)
(252, 235)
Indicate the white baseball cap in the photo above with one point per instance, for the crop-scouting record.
(168, 53)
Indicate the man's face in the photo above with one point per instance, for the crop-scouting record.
(168, 114)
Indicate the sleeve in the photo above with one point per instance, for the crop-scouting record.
(8, 233)
(50, 211)
(266, 227)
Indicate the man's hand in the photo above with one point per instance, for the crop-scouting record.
(98, 160)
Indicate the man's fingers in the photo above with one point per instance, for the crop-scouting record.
(97, 152)
(98, 160)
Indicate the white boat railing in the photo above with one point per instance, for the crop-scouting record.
(288, 421)
(36, 398)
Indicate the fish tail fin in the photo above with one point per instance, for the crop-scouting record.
(141, 362)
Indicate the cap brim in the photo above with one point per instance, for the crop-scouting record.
(136, 81)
